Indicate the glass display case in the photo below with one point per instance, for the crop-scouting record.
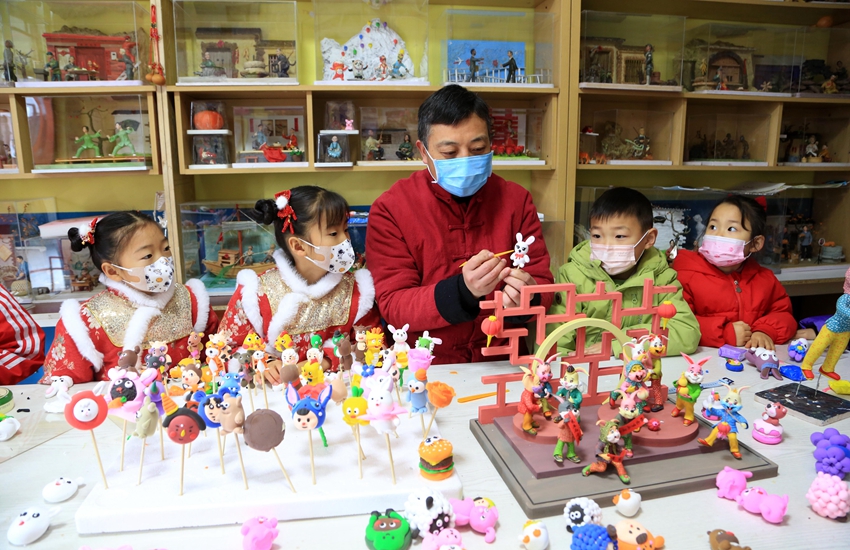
(371, 42)
(76, 43)
(269, 136)
(98, 133)
(340, 117)
(623, 136)
(8, 154)
(727, 139)
(824, 54)
(236, 42)
(736, 58)
(631, 51)
(517, 137)
(471, 55)
(333, 150)
(29, 264)
(814, 140)
(388, 135)
(210, 152)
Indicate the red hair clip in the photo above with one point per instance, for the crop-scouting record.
(285, 211)
(87, 232)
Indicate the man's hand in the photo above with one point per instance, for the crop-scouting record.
(760, 340)
(743, 333)
(483, 272)
(595, 349)
(514, 282)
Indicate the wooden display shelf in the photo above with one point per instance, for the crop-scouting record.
(80, 90)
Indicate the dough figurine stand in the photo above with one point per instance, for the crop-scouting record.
(524, 461)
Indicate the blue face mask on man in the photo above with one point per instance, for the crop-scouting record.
(462, 176)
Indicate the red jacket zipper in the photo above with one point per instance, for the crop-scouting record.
(738, 292)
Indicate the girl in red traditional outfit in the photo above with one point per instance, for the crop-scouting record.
(141, 303)
(312, 290)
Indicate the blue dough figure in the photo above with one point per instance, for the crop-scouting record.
(418, 395)
(334, 149)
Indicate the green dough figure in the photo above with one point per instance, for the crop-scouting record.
(388, 531)
(123, 141)
(87, 140)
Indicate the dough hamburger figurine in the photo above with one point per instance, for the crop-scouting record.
(435, 458)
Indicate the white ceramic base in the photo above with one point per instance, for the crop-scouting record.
(724, 163)
(208, 166)
(222, 132)
(210, 498)
(387, 82)
(270, 165)
(213, 81)
(333, 164)
(349, 132)
(77, 83)
(641, 162)
(632, 87)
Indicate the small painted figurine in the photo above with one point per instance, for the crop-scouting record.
(258, 138)
(129, 64)
(360, 343)
(374, 151)
(248, 257)
(745, 148)
(757, 501)
(51, 67)
(334, 149)
(649, 65)
(282, 65)
(634, 375)
(688, 389)
(382, 70)
(608, 451)
(520, 256)
(812, 147)
(829, 86)
(9, 62)
(87, 141)
(374, 345)
(417, 395)
(571, 389)
(259, 533)
(388, 531)
(765, 361)
(630, 420)
(405, 149)
(730, 417)
(835, 334)
(401, 349)
(767, 429)
(342, 351)
(720, 539)
(510, 64)
(720, 79)
(474, 66)
(349, 124)
(535, 535)
(479, 513)
(627, 503)
(69, 69)
(207, 66)
(569, 433)
(544, 389)
(383, 412)
(123, 141)
(308, 413)
(93, 68)
(357, 67)
(656, 349)
(399, 70)
(529, 401)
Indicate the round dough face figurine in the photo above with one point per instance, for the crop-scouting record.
(85, 410)
(61, 489)
(30, 525)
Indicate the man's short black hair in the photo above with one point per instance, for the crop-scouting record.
(451, 105)
(622, 201)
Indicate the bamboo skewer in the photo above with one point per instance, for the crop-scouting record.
(123, 443)
(390, 453)
(220, 448)
(182, 463)
(312, 464)
(99, 463)
(242, 464)
(359, 450)
(141, 461)
(282, 469)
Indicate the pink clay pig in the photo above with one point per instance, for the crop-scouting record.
(259, 533)
(441, 539)
(480, 514)
(771, 507)
(731, 482)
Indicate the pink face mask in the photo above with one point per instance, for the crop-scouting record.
(615, 258)
(723, 251)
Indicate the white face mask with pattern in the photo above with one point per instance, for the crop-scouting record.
(337, 259)
(154, 278)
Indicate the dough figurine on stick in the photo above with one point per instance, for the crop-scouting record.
(440, 395)
(383, 414)
(127, 392)
(309, 414)
(264, 431)
(232, 419)
(353, 409)
(183, 426)
(147, 419)
(86, 410)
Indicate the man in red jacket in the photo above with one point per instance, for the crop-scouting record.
(21, 341)
(425, 226)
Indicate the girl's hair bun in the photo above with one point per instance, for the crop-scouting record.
(76, 239)
(267, 210)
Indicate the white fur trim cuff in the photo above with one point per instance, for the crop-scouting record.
(250, 283)
(137, 297)
(202, 298)
(79, 333)
(366, 286)
(286, 311)
(137, 328)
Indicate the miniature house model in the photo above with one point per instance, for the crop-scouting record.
(609, 60)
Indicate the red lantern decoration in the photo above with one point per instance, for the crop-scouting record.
(723, 430)
(491, 326)
(667, 311)
(208, 120)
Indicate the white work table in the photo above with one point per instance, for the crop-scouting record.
(47, 448)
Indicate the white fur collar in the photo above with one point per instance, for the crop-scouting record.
(250, 283)
(202, 299)
(366, 286)
(79, 333)
(296, 282)
(137, 297)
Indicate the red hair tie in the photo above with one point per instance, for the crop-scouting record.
(285, 211)
(87, 233)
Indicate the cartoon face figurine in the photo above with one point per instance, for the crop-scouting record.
(388, 531)
(184, 426)
(353, 407)
(86, 410)
(30, 525)
(283, 342)
(520, 255)
(308, 413)
(61, 489)
(253, 342)
(232, 416)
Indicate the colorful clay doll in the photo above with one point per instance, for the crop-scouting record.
(581, 511)
(428, 511)
(758, 501)
(342, 351)
(374, 346)
(259, 533)
(608, 451)
(630, 419)
(520, 257)
(544, 389)
(401, 349)
(688, 389)
(797, 349)
(720, 539)
(656, 349)
(479, 513)
(835, 335)
(632, 535)
(569, 433)
(627, 503)
(417, 394)
(535, 535)
(571, 388)
(765, 361)
(383, 411)
(308, 415)
(529, 401)
(730, 417)
(426, 341)
(635, 374)
(767, 429)
(360, 342)
(217, 353)
(388, 531)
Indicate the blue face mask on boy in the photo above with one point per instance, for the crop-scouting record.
(462, 176)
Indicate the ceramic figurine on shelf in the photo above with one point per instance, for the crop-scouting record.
(571, 389)
(349, 124)
(835, 334)
(405, 149)
(357, 67)
(829, 86)
(608, 451)
(208, 67)
(688, 389)
(474, 66)
(258, 138)
(399, 69)
(374, 151)
(529, 401)
(824, 153)
(71, 69)
(87, 140)
(51, 68)
(730, 417)
(510, 64)
(765, 361)
(282, 65)
(745, 148)
(649, 65)
(123, 141)
(93, 68)
(767, 429)
(382, 71)
(720, 80)
(9, 62)
(129, 64)
(640, 145)
(812, 147)
(334, 150)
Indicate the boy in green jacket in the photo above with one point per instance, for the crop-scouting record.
(621, 252)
